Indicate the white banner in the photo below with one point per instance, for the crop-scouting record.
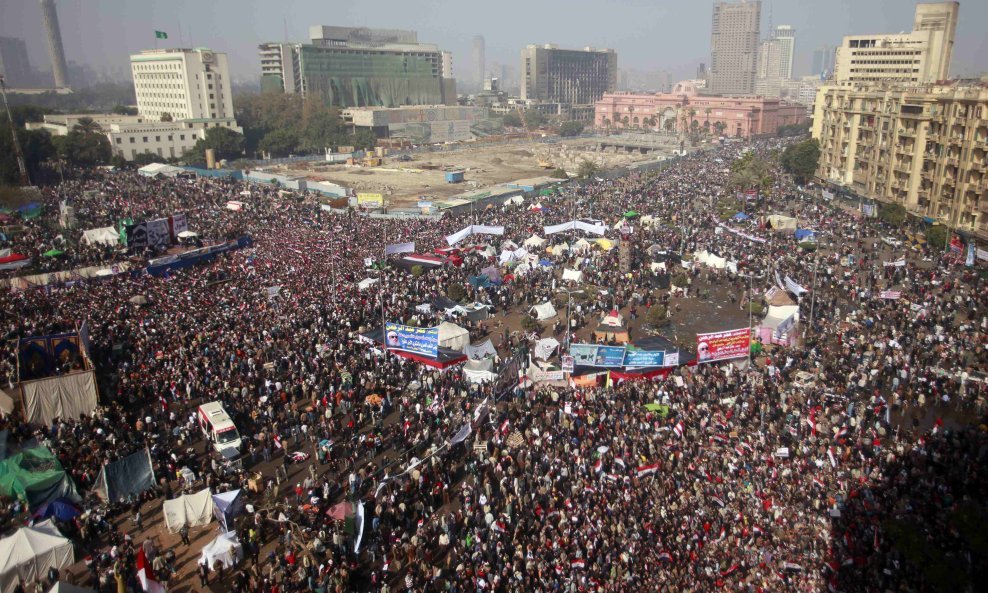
(671, 359)
(890, 294)
(400, 248)
(793, 287)
(476, 229)
(597, 229)
(899, 263)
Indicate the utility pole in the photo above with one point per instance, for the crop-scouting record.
(25, 180)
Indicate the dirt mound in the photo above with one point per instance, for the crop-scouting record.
(521, 152)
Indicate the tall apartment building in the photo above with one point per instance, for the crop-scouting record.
(920, 56)
(574, 76)
(49, 18)
(785, 36)
(184, 83)
(14, 65)
(358, 67)
(775, 58)
(925, 147)
(479, 57)
(735, 33)
(823, 61)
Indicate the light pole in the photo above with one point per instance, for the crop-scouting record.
(21, 166)
(569, 302)
(750, 301)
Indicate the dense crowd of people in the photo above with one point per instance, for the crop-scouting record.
(780, 475)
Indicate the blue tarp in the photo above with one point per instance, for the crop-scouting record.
(740, 216)
(60, 508)
(545, 263)
(480, 281)
(803, 233)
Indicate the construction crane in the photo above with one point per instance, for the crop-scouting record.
(21, 166)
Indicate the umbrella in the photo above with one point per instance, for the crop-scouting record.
(373, 399)
(139, 299)
(59, 508)
(53, 253)
(187, 235)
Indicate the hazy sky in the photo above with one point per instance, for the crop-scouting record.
(647, 34)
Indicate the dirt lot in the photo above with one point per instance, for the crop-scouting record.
(404, 182)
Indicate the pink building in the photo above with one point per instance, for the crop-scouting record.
(739, 117)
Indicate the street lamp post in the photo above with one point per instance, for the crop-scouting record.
(569, 302)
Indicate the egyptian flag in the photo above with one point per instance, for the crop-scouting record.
(145, 574)
(578, 563)
(645, 470)
(679, 428)
(830, 455)
(841, 434)
(757, 530)
(619, 461)
(665, 556)
(598, 467)
(720, 438)
(813, 421)
(817, 482)
(723, 532)
(718, 500)
(726, 573)
(277, 441)
(498, 526)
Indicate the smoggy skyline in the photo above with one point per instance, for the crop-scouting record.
(648, 35)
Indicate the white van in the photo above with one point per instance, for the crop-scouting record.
(216, 424)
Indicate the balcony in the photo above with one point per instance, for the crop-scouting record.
(906, 150)
(907, 132)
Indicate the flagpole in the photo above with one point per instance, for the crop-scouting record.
(384, 260)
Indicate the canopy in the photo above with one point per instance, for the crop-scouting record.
(53, 253)
(543, 311)
(225, 548)
(453, 336)
(581, 245)
(125, 477)
(160, 169)
(36, 476)
(572, 275)
(613, 319)
(483, 350)
(545, 347)
(647, 220)
(801, 234)
(740, 216)
(193, 510)
(605, 244)
(781, 223)
(188, 235)
(479, 371)
(630, 214)
(534, 241)
(104, 236)
(559, 249)
(27, 555)
(60, 508)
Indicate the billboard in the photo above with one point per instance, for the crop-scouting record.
(365, 200)
(418, 340)
(597, 356)
(725, 345)
(644, 358)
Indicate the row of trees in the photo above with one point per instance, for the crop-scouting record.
(282, 124)
(84, 145)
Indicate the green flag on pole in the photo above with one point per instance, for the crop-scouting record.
(160, 35)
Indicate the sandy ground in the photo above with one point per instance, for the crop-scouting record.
(404, 182)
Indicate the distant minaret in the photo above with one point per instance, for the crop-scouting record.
(50, 17)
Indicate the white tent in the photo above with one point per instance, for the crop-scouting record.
(160, 169)
(194, 510)
(559, 249)
(521, 270)
(782, 223)
(534, 241)
(647, 220)
(613, 319)
(779, 315)
(543, 311)
(572, 275)
(367, 283)
(479, 371)
(656, 266)
(29, 553)
(545, 347)
(106, 235)
(225, 548)
(453, 336)
(581, 245)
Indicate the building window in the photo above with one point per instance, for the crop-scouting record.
(119, 141)
(131, 139)
(145, 140)
(157, 138)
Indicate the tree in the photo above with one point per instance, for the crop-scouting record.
(559, 174)
(279, 142)
(87, 125)
(145, 158)
(800, 160)
(166, 116)
(719, 127)
(587, 169)
(534, 119)
(36, 146)
(321, 130)
(123, 110)
(936, 236)
(25, 113)
(657, 315)
(894, 214)
(84, 148)
(455, 291)
(512, 120)
(571, 128)
(227, 144)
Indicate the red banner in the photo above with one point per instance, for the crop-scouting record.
(724, 345)
(955, 244)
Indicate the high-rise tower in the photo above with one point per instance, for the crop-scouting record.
(58, 69)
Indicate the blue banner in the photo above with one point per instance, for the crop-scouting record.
(644, 358)
(419, 340)
(609, 356)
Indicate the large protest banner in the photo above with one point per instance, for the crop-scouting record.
(723, 345)
(419, 340)
(644, 358)
(593, 355)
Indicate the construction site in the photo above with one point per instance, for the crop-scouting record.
(407, 177)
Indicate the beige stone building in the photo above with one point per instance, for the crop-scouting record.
(925, 147)
(919, 56)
